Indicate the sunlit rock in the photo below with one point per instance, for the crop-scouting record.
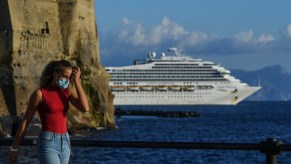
(34, 32)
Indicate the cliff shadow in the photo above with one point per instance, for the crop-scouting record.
(6, 45)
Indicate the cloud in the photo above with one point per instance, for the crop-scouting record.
(166, 34)
(130, 32)
(134, 34)
(289, 30)
(131, 37)
(286, 32)
(166, 30)
(248, 37)
(245, 37)
(265, 38)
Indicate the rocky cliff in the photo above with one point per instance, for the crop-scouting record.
(34, 32)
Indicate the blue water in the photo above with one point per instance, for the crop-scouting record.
(247, 122)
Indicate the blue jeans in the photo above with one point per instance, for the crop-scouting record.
(53, 148)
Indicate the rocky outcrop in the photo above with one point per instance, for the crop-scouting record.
(34, 32)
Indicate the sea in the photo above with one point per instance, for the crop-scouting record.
(247, 122)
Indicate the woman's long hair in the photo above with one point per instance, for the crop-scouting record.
(54, 66)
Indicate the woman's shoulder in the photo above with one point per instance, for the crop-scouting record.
(38, 91)
(37, 94)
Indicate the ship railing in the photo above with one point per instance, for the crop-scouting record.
(269, 147)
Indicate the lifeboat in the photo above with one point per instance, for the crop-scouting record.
(189, 88)
(162, 88)
(133, 88)
(175, 88)
(117, 88)
(146, 88)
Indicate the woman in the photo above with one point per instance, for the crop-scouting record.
(51, 100)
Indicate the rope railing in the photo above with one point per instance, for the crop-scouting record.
(270, 147)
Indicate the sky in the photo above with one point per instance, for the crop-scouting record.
(236, 34)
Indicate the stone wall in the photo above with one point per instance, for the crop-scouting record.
(34, 32)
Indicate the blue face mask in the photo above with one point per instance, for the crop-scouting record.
(63, 83)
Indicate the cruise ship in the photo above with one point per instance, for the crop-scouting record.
(176, 79)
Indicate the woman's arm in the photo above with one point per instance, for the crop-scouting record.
(33, 104)
(79, 99)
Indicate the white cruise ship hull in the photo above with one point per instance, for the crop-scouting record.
(196, 97)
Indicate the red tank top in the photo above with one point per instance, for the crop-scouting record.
(53, 109)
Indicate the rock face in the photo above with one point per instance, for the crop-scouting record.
(34, 32)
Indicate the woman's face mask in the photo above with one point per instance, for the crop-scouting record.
(62, 78)
(63, 83)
